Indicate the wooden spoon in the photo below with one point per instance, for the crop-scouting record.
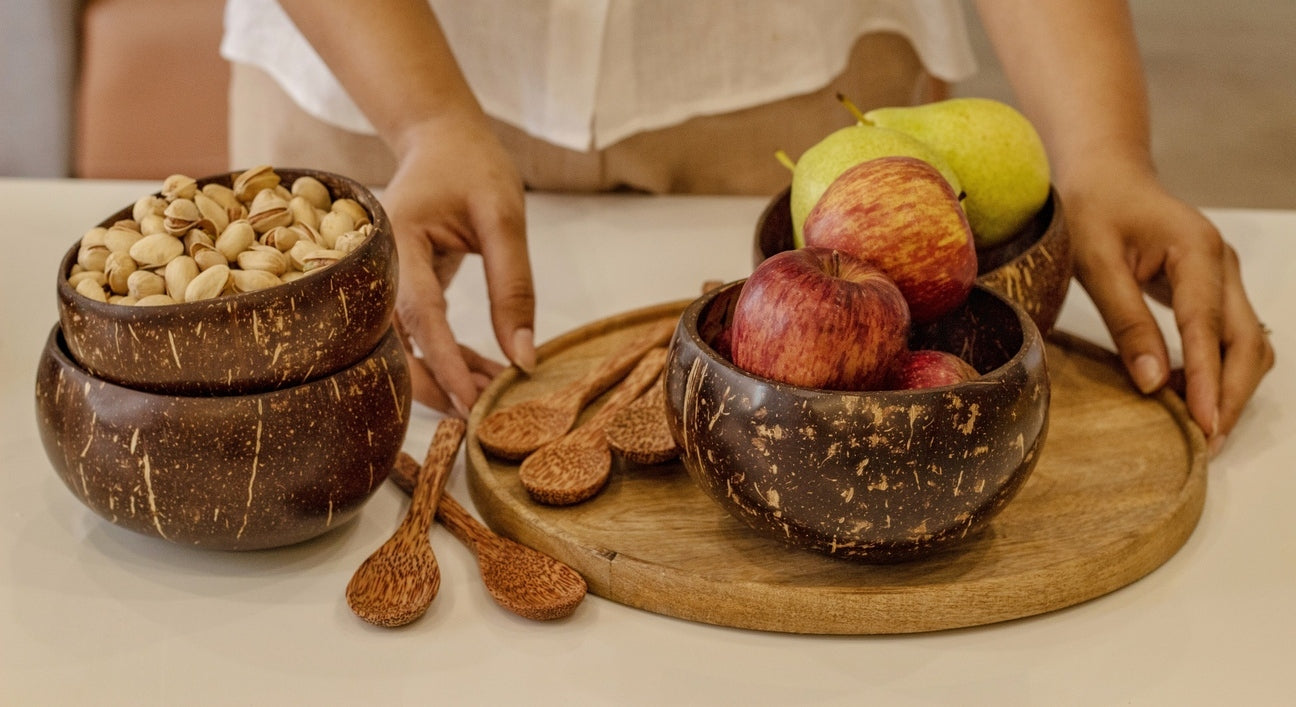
(398, 581)
(640, 433)
(574, 467)
(515, 431)
(527, 582)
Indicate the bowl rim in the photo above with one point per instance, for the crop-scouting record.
(1031, 338)
(254, 299)
(56, 348)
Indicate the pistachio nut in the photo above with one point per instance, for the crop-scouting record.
(156, 300)
(223, 195)
(281, 238)
(334, 224)
(235, 239)
(121, 299)
(156, 250)
(313, 191)
(119, 239)
(178, 274)
(143, 283)
(153, 223)
(212, 212)
(208, 284)
(96, 236)
(306, 233)
(117, 270)
(303, 212)
(93, 290)
(320, 259)
(180, 216)
(92, 257)
(99, 278)
(302, 248)
(147, 205)
(252, 280)
(197, 238)
(267, 211)
(291, 276)
(264, 258)
(351, 208)
(349, 241)
(208, 257)
(250, 182)
(179, 186)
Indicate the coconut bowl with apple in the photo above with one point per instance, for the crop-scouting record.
(875, 476)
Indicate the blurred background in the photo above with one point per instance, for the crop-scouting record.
(136, 89)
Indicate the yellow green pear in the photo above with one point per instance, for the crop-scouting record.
(844, 148)
(996, 152)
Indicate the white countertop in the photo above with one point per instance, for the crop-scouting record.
(92, 614)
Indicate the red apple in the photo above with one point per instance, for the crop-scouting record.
(901, 215)
(819, 318)
(928, 368)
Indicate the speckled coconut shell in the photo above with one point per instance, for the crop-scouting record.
(256, 341)
(874, 476)
(1033, 269)
(231, 472)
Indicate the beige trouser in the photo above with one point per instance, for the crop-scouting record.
(731, 153)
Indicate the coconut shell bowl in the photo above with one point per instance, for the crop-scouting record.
(1033, 268)
(880, 476)
(249, 420)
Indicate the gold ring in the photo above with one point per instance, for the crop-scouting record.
(1264, 329)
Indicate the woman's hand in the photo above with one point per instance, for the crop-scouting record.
(456, 192)
(1130, 238)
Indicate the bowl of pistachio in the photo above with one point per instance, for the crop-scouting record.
(236, 283)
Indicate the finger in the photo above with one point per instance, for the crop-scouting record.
(478, 363)
(509, 284)
(421, 306)
(422, 385)
(1195, 275)
(1119, 299)
(1248, 352)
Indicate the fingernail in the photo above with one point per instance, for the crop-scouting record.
(524, 355)
(458, 405)
(1215, 444)
(1147, 373)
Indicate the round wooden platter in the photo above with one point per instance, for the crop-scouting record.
(1116, 492)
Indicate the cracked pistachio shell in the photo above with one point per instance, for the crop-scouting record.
(156, 250)
(313, 191)
(334, 224)
(179, 186)
(117, 270)
(92, 257)
(157, 300)
(98, 277)
(351, 208)
(303, 212)
(302, 248)
(178, 274)
(281, 238)
(268, 211)
(142, 283)
(349, 241)
(322, 258)
(93, 290)
(197, 238)
(180, 216)
(235, 239)
(153, 223)
(208, 284)
(212, 212)
(122, 299)
(207, 258)
(252, 181)
(95, 237)
(223, 195)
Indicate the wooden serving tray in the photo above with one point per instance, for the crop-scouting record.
(1118, 489)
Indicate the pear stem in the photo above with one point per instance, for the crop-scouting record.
(854, 109)
(784, 160)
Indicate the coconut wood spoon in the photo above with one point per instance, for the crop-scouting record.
(515, 431)
(525, 581)
(398, 581)
(574, 467)
(640, 432)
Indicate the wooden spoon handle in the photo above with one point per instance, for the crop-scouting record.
(645, 372)
(452, 515)
(433, 475)
(616, 366)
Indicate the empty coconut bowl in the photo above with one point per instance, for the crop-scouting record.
(254, 341)
(1033, 268)
(225, 472)
(873, 476)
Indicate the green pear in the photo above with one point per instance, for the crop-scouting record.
(996, 152)
(844, 148)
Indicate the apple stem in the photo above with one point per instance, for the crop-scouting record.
(784, 160)
(854, 109)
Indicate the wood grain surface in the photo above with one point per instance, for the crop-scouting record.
(1117, 491)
